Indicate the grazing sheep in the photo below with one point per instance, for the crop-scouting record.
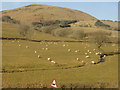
(76, 51)
(43, 48)
(96, 53)
(94, 49)
(92, 62)
(26, 46)
(104, 56)
(53, 61)
(113, 44)
(49, 59)
(87, 56)
(99, 53)
(77, 59)
(69, 50)
(63, 45)
(35, 51)
(46, 48)
(19, 45)
(82, 61)
(38, 56)
(90, 52)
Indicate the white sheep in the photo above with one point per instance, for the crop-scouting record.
(53, 61)
(82, 61)
(76, 51)
(92, 62)
(85, 53)
(77, 59)
(63, 45)
(96, 53)
(94, 49)
(90, 52)
(104, 56)
(19, 45)
(49, 59)
(113, 44)
(69, 50)
(87, 56)
(38, 56)
(46, 48)
(35, 51)
(26, 46)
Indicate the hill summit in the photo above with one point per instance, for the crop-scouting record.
(36, 12)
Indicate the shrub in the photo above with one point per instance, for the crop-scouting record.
(62, 32)
(49, 29)
(65, 25)
(100, 38)
(78, 34)
(26, 31)
(99, 23)
(9, 19)
(56, 22)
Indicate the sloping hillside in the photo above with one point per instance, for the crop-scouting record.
(55, 21)
(35, 13)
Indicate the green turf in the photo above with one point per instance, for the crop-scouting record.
(20, 58)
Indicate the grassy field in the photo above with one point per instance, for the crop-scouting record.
(25, 63)
(39, 72)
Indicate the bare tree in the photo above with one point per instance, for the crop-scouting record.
(25, 30)
(100, 38)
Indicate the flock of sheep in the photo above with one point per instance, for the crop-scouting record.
(87, 54)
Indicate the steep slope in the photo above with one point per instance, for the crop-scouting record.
(36, 12)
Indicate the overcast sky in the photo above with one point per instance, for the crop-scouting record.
(100, 10)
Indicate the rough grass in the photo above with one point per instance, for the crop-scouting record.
(24, 69)
(17, 58)
(47, 13)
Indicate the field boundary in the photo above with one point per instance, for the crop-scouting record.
(7, 38)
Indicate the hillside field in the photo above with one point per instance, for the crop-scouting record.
(24, 68)
(31, 71)
(30, 64)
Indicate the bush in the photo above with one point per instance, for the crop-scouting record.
(49, 29)
(56, 22)
(9, 19)
(65, 25)
(78, 34)
(99, 23)
(62, 32)
(26, 31)
(100, 38)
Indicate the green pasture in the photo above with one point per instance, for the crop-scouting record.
(39, 72)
